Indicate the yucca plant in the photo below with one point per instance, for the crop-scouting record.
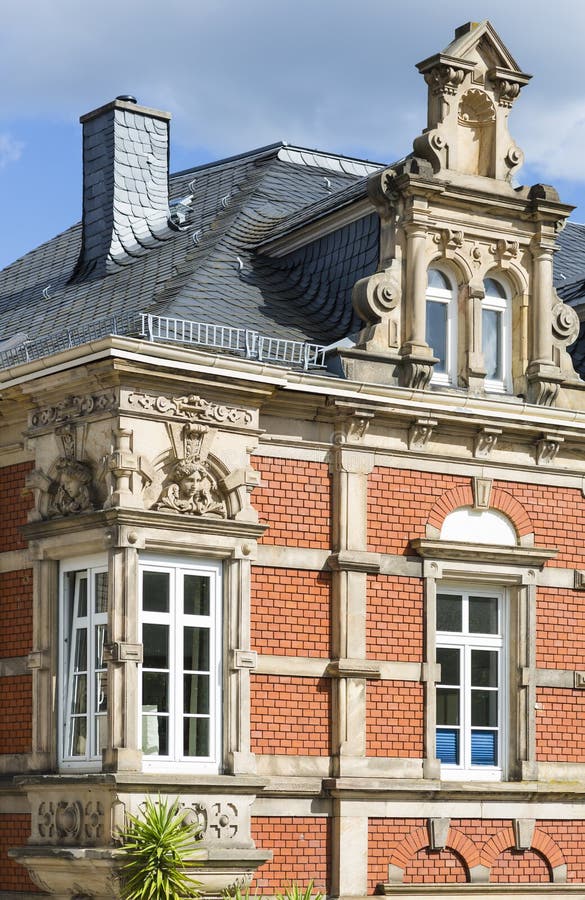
(156, 846)
(295, 892)
(241, 893)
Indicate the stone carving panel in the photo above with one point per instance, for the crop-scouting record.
(74, 407)
(191, 407)
(69, 820)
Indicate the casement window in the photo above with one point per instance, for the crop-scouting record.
(83, 707)
(441, 325)
(181, 669)
(496, 335)
(470, 694)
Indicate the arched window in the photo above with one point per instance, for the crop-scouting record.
(496, 335)
(441, 326)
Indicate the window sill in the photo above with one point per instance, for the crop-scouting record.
(495, 553)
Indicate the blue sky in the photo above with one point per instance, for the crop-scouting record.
(235, 75)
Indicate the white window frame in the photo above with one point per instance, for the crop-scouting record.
(91, 566)
(447, 297)
(502, 305)
(176, 619)
(466, 642)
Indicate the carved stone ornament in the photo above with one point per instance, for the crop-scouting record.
(69, 821)
(191, 407)
(482, 489)
(218, 820)
(444, 80)
(74, 407)
(565, 323)
(416, 372)
(375, 297)
(485, 442)
(420, 432)
(192, 490)
(547, 449)
(449, 239)
(67, 493)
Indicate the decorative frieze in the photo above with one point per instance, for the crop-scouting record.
(190, 407)
(74, 407)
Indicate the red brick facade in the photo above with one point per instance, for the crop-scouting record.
(16, 718)
(394, 719)
(301, 852)
(14, 832)
(15, 502)
(291, 612)
(290, 715)
(16, 613)
(294, 497)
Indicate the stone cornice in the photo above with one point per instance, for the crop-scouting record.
(522, 556)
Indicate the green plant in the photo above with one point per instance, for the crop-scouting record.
(294, 892)
(156, 846)
(241, 893)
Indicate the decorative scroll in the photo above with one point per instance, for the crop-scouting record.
(74, 408)
(191, 407)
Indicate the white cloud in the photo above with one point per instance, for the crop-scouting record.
(10, 150)
(332, 74)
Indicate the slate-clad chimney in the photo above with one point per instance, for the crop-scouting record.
(125, 185)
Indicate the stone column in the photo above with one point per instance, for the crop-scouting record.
(417, 357)
(124, 654)
(42, 663)
(240, 659)
(475, 365)
(350, 564)
(349, 864)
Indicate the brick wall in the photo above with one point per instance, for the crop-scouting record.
(394, 623)
(560, 617)
(513, 866)
(440, 866)
(14, 832)
(290, 715)
(295, 499)
(399, 503)
(291, 612)
(394, 719)
(300, 852)
(15, 502)
(404, 842)
(560, 712)
(15, 613)
(16, 715)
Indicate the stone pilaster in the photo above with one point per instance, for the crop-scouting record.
(42, 663)
(242, 659)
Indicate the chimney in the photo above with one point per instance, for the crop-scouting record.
(125, 185)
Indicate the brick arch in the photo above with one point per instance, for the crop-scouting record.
(418, 839)
(505, 840)
(500, 500)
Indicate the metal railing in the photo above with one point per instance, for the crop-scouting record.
(250, 344)
(239, 341)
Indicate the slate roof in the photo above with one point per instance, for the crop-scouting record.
(217, 269)
(211, 272)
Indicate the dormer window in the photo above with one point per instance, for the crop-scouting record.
(496, 335)
(441, 325)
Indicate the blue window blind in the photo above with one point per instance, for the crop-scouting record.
(448, 746)
(484, 750)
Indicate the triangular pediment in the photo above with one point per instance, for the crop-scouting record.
(482, 38)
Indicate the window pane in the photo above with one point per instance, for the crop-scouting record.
(78, 739)
(450, 665)
(100, 735)
(484, 668)
(493, 288)
(79, 699)
(155, 591)
(483, 615)
(484, 708)
(447, 706)
(99, 638)
(101, 691)
(449, 612)
(196, 737)
(81, 597)
(196, 694)
(437, 332)
(101, 592)
(196, 649)
(80, 650)
(448, 746)
(155, 691)
(484, 748)
(155, 735)
(155, 639)
(491, 338)
(437, 280)
(196, 595)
